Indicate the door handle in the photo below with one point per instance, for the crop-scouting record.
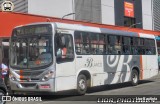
(79, 56)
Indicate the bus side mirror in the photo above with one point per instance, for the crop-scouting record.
(59, 53)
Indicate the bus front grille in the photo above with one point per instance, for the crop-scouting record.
(28, 84)
(30, 79)
(30, 74)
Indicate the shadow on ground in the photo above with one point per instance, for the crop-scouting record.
(72, 95)
(114, 86)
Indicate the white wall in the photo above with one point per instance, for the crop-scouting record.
(147, 14)
(108, 16)
(55, 8)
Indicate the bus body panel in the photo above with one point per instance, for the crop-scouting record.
(152, 64)
(92, 64)
(103, 69)
(119, 67)
(144, 72)
(65, 82)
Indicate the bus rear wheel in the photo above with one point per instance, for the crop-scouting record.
(134, 77)
(81, 84)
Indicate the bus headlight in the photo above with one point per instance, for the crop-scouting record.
(48, 76)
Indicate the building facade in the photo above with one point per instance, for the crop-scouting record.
(132, 13)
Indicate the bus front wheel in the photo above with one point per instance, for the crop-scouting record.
(81, 84)
(134, 77)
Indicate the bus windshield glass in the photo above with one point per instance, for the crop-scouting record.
(31, 51)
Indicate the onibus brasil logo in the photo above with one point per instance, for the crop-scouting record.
(7, 6)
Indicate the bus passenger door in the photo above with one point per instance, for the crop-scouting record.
(65, 63)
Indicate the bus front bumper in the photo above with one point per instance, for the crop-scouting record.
(46, 86)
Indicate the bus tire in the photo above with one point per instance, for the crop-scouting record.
(2, 93)
(134, 77)
(81, 84)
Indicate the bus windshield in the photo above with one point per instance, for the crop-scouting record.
(31, 51)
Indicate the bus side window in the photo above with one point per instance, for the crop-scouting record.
(94, 43)
(78, 43)
(114, 44)
(150, 47)
(134, 45)
(82, 45)
(126, 41)
(106, 44)
(85, 43)
(141, 46)
(97, 43)
(102, 44)
(64, 47)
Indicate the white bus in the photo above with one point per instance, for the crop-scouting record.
(52, 57)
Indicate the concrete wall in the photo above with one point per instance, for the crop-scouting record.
(108, 15)
(20, 6)
(156, 15)
(147, 14)
(100, 11)
(55, 8)
(88, 10)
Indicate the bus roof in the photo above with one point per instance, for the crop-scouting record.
(78, 27)
(93, 29)
(9, 20)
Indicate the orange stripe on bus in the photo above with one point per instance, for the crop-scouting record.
(141, 65)
(21, 74)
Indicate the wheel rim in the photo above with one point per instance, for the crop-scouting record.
(135, 78)
(82, 84)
